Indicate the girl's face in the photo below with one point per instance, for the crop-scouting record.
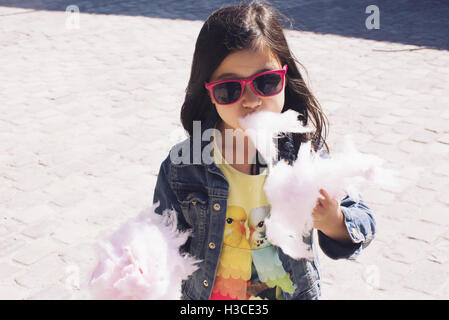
(242, 65)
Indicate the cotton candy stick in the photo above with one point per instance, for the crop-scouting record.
(141, 260)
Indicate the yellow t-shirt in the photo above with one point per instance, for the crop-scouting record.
(249, 267)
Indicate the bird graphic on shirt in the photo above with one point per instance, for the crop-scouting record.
(234, 267)
(265, 257)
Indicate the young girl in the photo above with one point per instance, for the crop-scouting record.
(242, 64)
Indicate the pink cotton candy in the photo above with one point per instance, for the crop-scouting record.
(292, 191)
(141, 260)
(261, 127)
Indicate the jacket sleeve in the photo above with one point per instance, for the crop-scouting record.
(163, 193)
(361, 226)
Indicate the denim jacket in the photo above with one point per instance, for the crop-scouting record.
(198, 192)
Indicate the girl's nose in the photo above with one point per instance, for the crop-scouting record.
(250, 99)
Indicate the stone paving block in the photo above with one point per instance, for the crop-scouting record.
(30, 179)
(423, 136)
(440, 252)
(40, 229)
(7, 191)
(422, 231)
(404, 293)
(99, 169)
(7, 270)
(35, 251)
(410, 172)
(11, 291)
(379, 129)
(443, 138)
(428, 277)
(419, 197)
(442, 170)
(411, 147)
(403, 128)
(347, 292)
(400, 211)
(3, 231)
(377, 196)
(419, 120)
(68, 198)
(7, 226)
(10, 245)
(446, 234)
(54, 292)
(21, 201)
(20, 160)
(42, 274)
(70, 233)
(407, 251)
(438, 126)
(33, 214)
(386, 228)
(444, 198)
(387, 120)
(370, 113)
(445, 115)
(437, 214)
(387, 275)
(361, 139)
(397, 185)
(438, 150)
(383, 151)
(432, 180)
(400, 112)
(388, 138)
(71, 167)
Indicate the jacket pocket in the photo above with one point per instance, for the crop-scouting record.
(194, 208)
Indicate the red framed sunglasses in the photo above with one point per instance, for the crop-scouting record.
(265, 84)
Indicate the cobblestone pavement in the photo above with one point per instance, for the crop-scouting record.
(87, 115)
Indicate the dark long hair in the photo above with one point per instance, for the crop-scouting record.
(254, 25)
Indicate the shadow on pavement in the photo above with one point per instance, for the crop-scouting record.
(420, 23)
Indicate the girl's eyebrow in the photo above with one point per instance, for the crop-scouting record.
(225, 75)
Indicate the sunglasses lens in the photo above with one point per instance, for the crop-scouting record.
(268, 84)
(228, 92)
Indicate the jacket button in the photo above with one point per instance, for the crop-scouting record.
(217, 207)
(206, 284)
(211, 245)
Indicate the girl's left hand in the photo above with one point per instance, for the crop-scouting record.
(329, 219)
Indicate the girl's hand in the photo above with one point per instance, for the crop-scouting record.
(329, 219)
